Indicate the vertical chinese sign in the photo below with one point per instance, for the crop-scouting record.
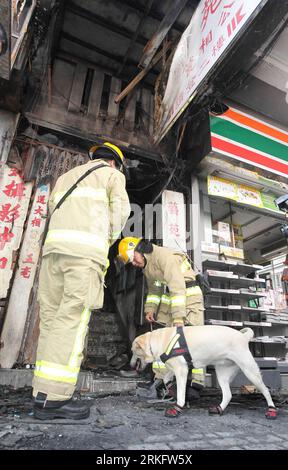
(14, 201)
(17, 311)
(174, 220)
(212, 29)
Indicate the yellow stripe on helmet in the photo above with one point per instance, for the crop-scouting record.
(116, 149)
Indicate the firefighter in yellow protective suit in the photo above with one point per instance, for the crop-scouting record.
(174, 298)
(75, 259)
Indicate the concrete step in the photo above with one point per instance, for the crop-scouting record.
(87, 382)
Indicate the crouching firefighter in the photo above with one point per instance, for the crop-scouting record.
(173, 299)
(89, 207)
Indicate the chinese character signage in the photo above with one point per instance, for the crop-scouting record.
(14, 200)
(18, 307)
(212, 29)
(32, 240)
(174, 220)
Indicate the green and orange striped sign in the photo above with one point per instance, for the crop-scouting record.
(250, 140)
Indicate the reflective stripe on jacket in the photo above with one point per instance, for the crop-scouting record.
(92, 217)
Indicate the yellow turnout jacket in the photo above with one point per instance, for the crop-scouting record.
(92, 217)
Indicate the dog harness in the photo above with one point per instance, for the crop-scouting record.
(177, 347)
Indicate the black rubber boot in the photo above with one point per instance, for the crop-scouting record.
(68, 409)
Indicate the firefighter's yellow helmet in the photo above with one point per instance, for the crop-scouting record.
(126, 248)
(116, 153)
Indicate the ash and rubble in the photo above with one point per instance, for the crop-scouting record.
(123, 421)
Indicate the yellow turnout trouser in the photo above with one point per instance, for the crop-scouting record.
(194, 307)
(69, 287)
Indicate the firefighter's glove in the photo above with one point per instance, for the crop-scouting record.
(178, 322)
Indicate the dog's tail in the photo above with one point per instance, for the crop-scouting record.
(248, 332)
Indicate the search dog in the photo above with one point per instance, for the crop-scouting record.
(225, 348)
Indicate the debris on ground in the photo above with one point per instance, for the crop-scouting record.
(125, 421)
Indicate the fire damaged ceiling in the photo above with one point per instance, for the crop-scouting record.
(96, 48)
(113, 34)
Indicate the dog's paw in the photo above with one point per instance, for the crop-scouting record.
(215, 410)
(271, 413)
(173, 411)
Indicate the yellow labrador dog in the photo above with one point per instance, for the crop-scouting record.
(225, 348)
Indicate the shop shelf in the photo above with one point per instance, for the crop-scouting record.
(269, 340)
(256, 323)
(236, 292)
(240, 281)
(237, 308)
(233, 265)
(252, 309)
(216, 291)
(224, 307)
(224, 322)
